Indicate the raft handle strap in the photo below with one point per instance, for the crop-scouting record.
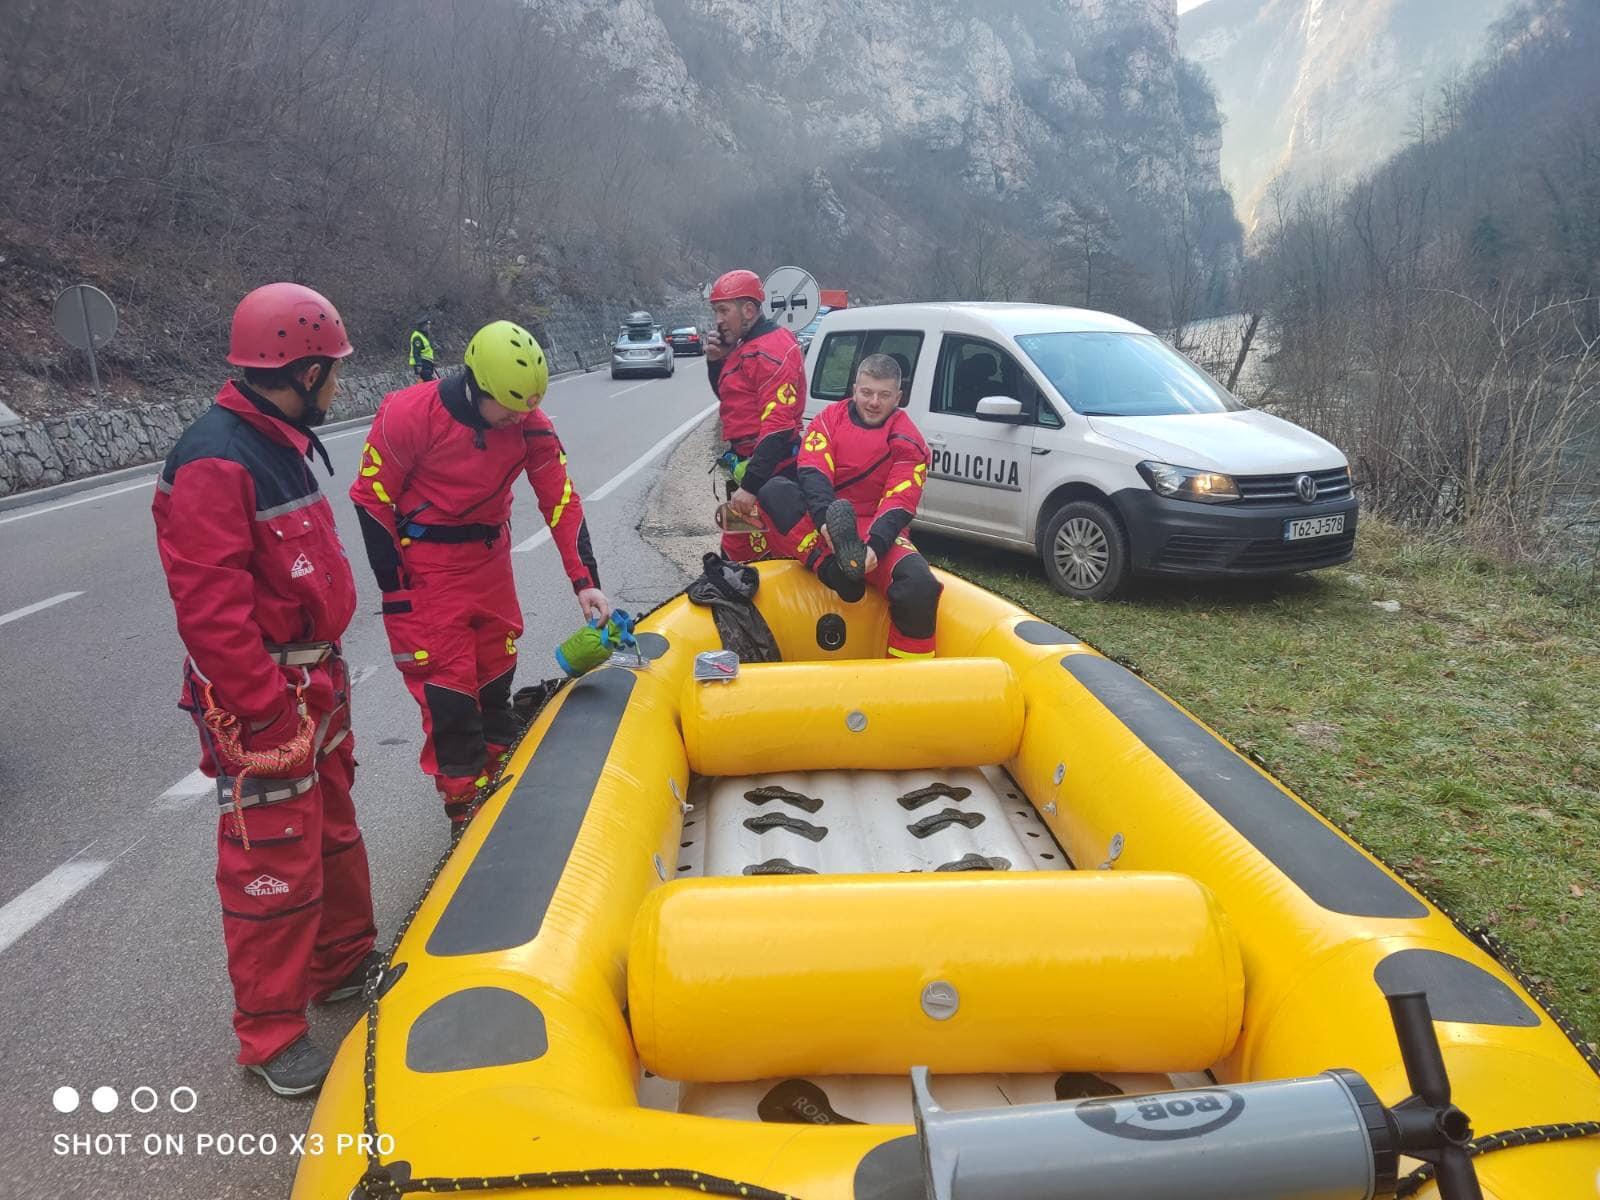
(379, 1181)
(1527, 1135)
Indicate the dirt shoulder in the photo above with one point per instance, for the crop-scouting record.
(678, 518)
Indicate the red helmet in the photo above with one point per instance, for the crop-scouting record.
(283, 322)
(739, 285)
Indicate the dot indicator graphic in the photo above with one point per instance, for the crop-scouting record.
(104, 1099)
(65, 1099)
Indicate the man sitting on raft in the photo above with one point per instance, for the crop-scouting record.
(861, 471)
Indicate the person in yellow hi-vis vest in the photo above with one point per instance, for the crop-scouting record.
(422, 364)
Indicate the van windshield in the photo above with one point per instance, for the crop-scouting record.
(1124, 375)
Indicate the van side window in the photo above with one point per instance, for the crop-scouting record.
(836, 365)
(1044, 413)
(835, 376)
(969, 370)
(903, 346)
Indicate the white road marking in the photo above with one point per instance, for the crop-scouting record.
(626, 390)
(192, 784)
(43, 898)
(89, 499)
(627, 472)
(184, 793)
(19, 613)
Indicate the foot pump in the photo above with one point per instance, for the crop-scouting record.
(1327, 1136)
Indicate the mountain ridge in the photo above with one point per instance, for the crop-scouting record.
(1310, 89)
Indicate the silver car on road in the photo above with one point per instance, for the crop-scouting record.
(640, 349)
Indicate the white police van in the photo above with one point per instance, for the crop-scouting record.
(1088, 441)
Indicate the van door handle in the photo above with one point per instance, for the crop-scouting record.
(1041, 450)
(935, 442)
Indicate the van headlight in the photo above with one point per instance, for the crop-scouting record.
(1187, 483)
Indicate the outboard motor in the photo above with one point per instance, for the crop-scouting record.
(1327, 1136)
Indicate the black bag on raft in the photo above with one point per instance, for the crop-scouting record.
(728, 589)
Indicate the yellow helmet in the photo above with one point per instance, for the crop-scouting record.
(508, 364)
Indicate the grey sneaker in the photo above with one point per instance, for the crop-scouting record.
(297, 1070)
(848, 548)
(357, 982)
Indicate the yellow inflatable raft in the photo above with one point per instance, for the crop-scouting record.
(1005, 923)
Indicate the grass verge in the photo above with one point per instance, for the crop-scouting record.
(1458, 738)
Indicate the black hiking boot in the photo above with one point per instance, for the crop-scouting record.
(297, 1070)
(462, 810)
(848, 548)
(358, 981)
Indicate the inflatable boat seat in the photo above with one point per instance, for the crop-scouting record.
(881, 715)
(734, 979)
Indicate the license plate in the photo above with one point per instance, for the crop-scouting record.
(1313, 527)
(638, 354)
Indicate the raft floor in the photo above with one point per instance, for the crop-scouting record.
(879, 822)
(844, 822)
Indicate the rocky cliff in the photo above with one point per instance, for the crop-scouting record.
(538, 157)
(867, 133)
(1324, 88)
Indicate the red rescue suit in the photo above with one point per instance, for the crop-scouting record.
(263, 592)
(759, 386)
(434, 497)
(880, 470)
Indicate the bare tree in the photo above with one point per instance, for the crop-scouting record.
(1084, 236)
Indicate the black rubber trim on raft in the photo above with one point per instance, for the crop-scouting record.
(799, 1102)
(652, 645)
(1080, 1085)
(891, 1170)
(777, 866)
(769, 821)
(1457, 989)
(1314, 856)
(1039, 633)
(476, 1027)
(501, 900)
(974, 862)
(775, 791)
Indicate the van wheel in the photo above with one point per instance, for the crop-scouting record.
(1084, 549)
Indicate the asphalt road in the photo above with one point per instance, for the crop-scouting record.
(112, 972)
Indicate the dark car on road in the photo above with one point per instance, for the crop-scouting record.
(686, 340)
(640, 349)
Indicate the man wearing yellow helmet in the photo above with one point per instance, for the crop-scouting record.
(434, 495)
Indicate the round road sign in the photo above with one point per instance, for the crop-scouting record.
(792, 297)
(84, 312)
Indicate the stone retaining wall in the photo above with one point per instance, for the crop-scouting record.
(91, 442)
(81, 444)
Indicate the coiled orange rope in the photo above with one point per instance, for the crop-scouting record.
(229, 732)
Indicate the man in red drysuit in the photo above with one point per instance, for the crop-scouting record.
(263, 593)
(757, 371)
(434, 495)
(862, 467)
